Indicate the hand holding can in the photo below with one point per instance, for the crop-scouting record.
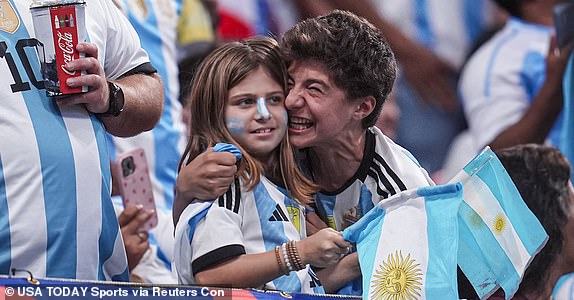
(59, 26)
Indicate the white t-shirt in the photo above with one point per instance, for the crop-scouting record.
(446, 27)
(242, 222)
(57, 218)
(502, 78)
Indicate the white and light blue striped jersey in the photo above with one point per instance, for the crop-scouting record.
(155, 21)
(386, 169)
(502, 78)
(242, 222)
(449, 28)
(57, 218)
(564, 288)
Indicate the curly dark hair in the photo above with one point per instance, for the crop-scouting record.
(510, 6)
(359, 58)
(541, 174)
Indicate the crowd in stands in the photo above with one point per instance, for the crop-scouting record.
(332, 105)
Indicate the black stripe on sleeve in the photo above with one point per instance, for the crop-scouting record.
(384, 179)
(221, 201)
(391, 173)
(380, 191)
(237, 196)
(228, 199)
(216, 257)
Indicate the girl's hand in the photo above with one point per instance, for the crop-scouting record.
(323, 249)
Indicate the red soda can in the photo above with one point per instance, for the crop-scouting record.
(59, 25)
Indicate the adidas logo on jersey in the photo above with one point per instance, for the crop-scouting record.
(279, 215)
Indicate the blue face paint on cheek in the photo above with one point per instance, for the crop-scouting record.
(235, 125)
(262, 111)
(284, 120)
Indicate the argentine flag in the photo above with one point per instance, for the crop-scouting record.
(499, 235)
(567, 132)
(407, 244)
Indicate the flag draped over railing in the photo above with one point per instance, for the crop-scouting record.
(499, 235)
(407, 245)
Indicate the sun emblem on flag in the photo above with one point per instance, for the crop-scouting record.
(499, 224)
(397, 278)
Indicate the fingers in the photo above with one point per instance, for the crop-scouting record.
(553, 49)
(143, 236)
(136, 222)
(90, 49)
(221, 158)
(88, 64)
(130, 212)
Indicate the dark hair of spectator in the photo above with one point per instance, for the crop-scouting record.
(360, 60)
(541, 174)
(510, 6)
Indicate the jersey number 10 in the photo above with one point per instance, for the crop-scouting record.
(19, 85)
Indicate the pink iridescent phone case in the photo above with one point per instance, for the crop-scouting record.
(132, 174)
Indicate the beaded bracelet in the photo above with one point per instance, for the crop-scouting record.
(292, 256)
(279, 261)
(297, 262)
(286, 257)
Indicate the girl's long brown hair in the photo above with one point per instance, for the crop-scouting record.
(222, 70)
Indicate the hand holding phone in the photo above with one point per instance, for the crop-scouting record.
(131, 171)
(564, 22)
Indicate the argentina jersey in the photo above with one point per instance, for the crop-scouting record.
(155, 21)
(54, 165)
(502, 79)
(449, 28)
(386, 169)
(242, 222)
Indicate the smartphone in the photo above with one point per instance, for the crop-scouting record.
(131, 171)
(564, 22)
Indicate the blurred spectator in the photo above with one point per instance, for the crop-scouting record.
(245, 18)
(389, 118)
(155, 22)
(512, 86)
(542, 175)
(196, 27)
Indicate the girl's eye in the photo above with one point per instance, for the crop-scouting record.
(275, 100)
(246, 102)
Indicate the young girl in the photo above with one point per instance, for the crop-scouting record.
(254, 234)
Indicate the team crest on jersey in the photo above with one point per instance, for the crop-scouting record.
(351, 216)
(139, 8)
(9, 21)
(295, 216)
